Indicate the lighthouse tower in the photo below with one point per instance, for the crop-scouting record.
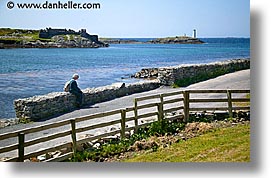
(194, 33)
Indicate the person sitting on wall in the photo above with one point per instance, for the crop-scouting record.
(75, 90)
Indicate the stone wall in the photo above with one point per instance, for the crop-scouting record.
(49, 33)
(146, 73)
(184, 75)
(45, 106)
(93, 38)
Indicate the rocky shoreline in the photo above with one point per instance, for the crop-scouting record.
(177, 40)
(45, 106)
(186, 74)
(116, 90)
(166, 40)
(9, 122)
(57, 42)
(48, 38)
(63, 38)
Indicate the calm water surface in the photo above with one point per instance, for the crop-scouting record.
(29, 72)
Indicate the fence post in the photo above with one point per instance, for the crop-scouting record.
(136, 115)
(122, 121)
(186, 105)
(73, 134)
(21, 141)
(229, 97)
(160, 109)
(183, 116)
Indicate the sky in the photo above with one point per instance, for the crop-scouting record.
(136, 18)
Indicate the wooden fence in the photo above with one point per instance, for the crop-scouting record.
(175, 105)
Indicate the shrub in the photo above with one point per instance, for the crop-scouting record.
(116, 147)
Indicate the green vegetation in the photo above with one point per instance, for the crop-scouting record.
(242, 104)
(6, 31)
(18, 35)
(19, 32)
(25, 121)
(116, 147)
(175, 38)
(163, 142)
(107, 39)
(221, 145)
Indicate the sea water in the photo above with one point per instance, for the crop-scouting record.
(28, 72)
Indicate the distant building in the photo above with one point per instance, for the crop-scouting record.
(194, 33)
(49, 33)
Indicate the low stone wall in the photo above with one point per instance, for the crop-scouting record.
(185, 75)
(146, 73)
(45, 106)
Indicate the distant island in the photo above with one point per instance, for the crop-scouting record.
(63, 38)
(166, 40)
(48, 38)
(177, 40)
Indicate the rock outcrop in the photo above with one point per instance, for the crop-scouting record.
(146, 73)
(49, 38)
(177, 40)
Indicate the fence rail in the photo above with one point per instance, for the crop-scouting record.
(156, 107)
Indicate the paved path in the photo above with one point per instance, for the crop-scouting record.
(237, 80)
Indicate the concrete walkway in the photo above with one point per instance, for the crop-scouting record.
(237, 80)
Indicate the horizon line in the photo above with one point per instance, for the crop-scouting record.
(161, 36)
(180, 35)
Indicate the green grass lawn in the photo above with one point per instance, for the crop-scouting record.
(221, 145)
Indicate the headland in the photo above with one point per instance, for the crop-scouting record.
(165, 40)
(68, 38)
(48, 38)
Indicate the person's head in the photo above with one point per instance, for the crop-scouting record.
(75, 76)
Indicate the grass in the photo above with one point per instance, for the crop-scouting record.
(221, 145)
(243, 104)
(20, 32)
(116, 147)
(20, 35)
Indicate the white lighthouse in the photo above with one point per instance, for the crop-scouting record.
(194, 33)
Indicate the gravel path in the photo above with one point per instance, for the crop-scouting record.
(237, 80)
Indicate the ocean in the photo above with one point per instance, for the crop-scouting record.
(28, 72)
